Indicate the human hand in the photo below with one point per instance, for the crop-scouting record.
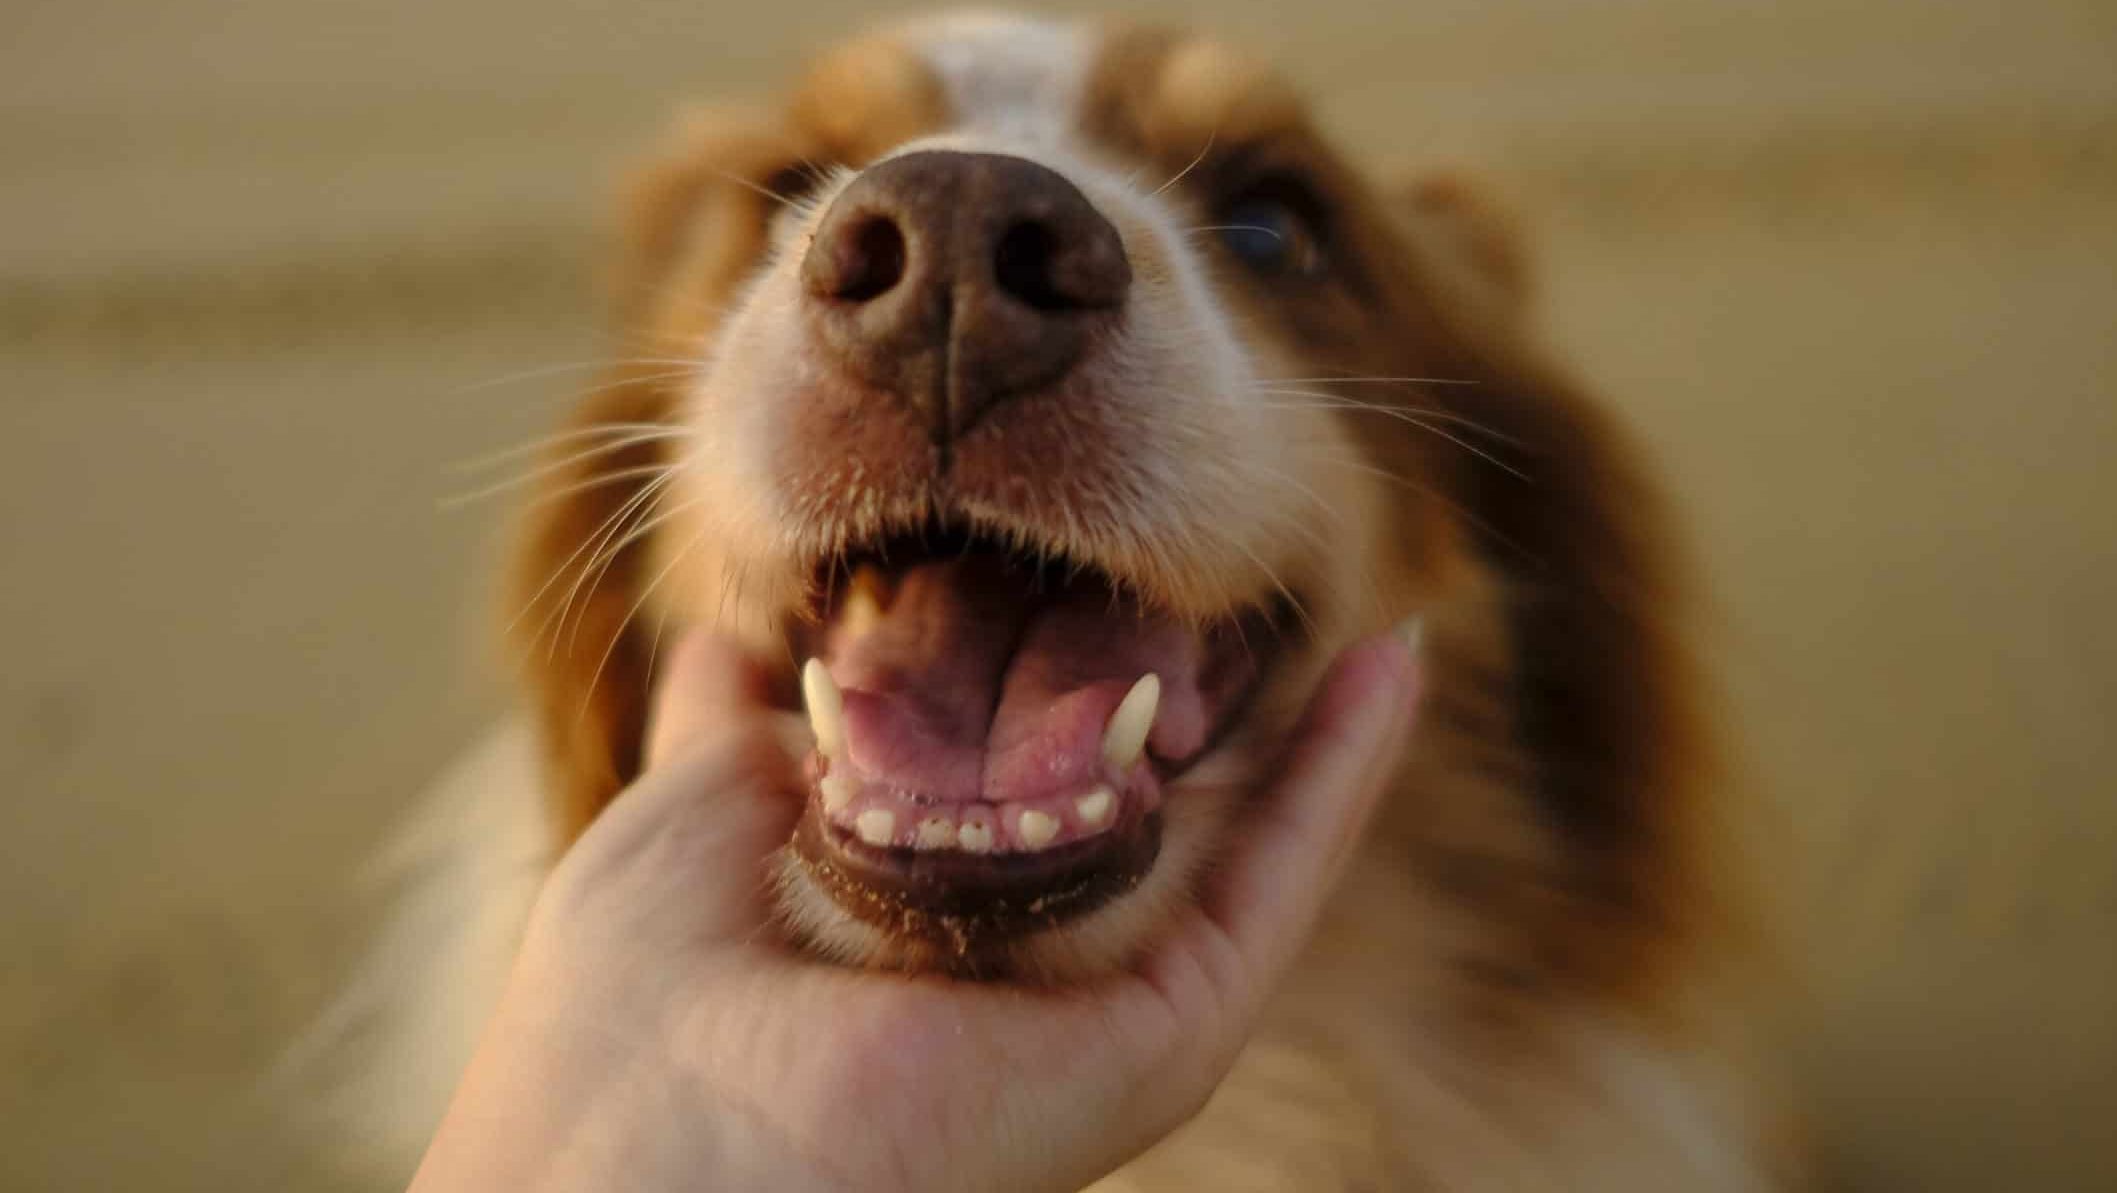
(657, 1035)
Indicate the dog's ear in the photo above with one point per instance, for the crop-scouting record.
(1568, 518)
(695, 223)
(694, 216)
(1606, 699)
(1470, 242)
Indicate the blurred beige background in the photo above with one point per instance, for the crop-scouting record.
(268, 271)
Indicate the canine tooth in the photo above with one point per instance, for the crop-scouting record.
(1094, 807)
(876, 826)
(1125, 737)
(826, 709)
(862, 608)
(974, 838)
(937, 832)
(1036, 829)
(838, 791)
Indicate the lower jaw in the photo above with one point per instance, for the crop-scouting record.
(961, 913)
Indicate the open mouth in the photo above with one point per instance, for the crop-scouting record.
(996, 729)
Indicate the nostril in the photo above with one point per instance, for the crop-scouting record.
(1024, 263)
(869, 260)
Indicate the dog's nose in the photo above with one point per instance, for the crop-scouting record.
(957, 280)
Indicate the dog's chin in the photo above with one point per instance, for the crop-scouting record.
(1018, 764)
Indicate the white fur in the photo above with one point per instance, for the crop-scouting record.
(1005, 73)
(461, 876)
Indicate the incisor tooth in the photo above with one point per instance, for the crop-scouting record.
(974, 838)
(1125, 737)
(1094, 807)
(936, 833)
(1036, 829)
(876, 826)
(838, 791)
(826, 709)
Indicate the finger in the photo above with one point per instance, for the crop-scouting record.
(1343, 756)
(716, 816)
(682, 855)
(719, 793)
(708, 686)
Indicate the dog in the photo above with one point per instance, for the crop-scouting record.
(1055, 401)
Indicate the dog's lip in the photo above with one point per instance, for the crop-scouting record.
(955, 901)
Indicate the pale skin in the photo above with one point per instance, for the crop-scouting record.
(656, 1034)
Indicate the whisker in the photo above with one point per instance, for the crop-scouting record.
(601, 479)
(1271, 232)
(1205, 149)
(1326, 401)
(537, 597)
(457, 500)
(1459, 441)
(596, 678)
(576, 366)
(1293, 602)
(555, 621)
(654, 644)
(559, 438)
(639, 508)
(1374, 380)
(638, 531)
(1308, 621)
(767, 192)
(547, 442)
(1453, 506)
(1298, 486)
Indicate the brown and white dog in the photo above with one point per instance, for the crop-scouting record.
(1064, 397)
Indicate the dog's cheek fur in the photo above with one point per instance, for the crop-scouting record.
(694, 226)
(1557, 792)
(691, 232)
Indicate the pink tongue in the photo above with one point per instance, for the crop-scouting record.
(971, 687)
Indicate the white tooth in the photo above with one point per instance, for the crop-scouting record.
(826, 709)
(1036, 829)
(974, 838)
(838, 791)
(876, 826)
(1094, 807)
(1125, 737)
(937, 832)
(861, 610)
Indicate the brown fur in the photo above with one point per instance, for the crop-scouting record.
(1551, 819)
(1583, 699)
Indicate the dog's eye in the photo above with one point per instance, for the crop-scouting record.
(1270, 234)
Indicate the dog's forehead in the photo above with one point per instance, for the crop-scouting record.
(1015, 75)
(1023, 81)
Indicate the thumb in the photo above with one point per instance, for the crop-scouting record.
(707, 686)
(718, 796)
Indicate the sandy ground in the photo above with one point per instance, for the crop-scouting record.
(266, 276)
